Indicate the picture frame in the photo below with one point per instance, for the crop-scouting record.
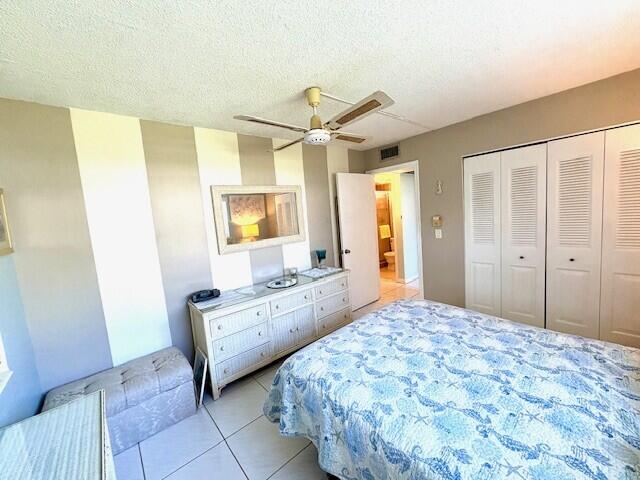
(232, 200)
(200, 368)
(6, 245)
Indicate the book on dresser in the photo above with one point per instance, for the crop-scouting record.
(248, 328)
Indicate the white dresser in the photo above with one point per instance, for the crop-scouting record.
(256, 325)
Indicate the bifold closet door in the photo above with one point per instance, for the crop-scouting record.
(523, 192)
(482, 233)
(574, 233)
(620, 301)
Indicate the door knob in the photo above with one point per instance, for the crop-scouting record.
(572, 259)
(347, 251)
(521, 257)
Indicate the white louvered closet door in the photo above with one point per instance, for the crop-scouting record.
(620, 302)
(574, 233)
(482, 233)
(524, 189)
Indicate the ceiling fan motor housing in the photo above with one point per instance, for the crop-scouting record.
(317, 136)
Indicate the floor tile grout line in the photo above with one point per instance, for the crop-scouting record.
(144, 475)
(193, 459)
(213, 420)
(289, 461)
(197, 456)
(236, 458)
(244, 426)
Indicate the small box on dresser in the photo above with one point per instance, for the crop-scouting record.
(253, 329)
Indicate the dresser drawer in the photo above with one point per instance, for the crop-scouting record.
(241, 362)
(330, 323)
(290, 302)
(332, 304)
(331, 287)
(240, 342)
(292, 328)
(236, 322)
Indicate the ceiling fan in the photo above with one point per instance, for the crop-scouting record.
(320, 133)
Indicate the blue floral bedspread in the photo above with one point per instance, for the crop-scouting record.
(420, 390)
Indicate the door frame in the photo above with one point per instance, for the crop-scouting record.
(406, 167)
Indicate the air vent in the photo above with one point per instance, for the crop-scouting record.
(389, 152)
(628, 231)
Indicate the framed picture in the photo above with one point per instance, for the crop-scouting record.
(200, 364)
(5, 235)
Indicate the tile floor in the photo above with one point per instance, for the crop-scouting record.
(230, 438)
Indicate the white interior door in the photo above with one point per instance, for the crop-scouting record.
(620, 302)
(482, 233)
(574, 232)
(359, 236)
(523, 192)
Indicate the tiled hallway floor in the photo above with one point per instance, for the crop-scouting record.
(230, 438)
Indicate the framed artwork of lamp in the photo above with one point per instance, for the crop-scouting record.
(249, 217)
(5, 234)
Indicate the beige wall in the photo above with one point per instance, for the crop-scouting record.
(607, 102)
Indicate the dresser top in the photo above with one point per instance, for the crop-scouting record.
(65, 442)
(246, 294)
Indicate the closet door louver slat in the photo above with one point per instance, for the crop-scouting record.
(620, 305)
(574, 223)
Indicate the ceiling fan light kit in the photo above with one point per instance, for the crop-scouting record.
(320, 133)
(317, 136)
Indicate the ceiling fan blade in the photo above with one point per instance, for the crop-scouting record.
(282, 147)
(272, 123)
(348, 137)
(368, 105)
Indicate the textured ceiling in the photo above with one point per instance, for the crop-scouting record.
(201, 62)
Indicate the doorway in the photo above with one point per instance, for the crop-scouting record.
(398, 233)
(378, 220)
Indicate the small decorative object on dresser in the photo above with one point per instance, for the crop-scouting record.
(5, 235)
(249, 328)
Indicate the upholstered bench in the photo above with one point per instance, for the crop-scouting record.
(143, 396)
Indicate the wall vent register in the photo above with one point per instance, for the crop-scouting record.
(389, 152)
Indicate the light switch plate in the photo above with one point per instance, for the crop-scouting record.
(438, 233)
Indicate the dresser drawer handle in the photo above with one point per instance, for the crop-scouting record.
(320, 292)
(291, 330)
(222, 349)
(258, 313)
(346, 315)
(262, 354)
(306, 297)
(322, 309)
(342, 285)
(277, 307)
(225, 371)
(344, 299)
(297, 329)
(219, 327)
(324, 325)
(259, 334)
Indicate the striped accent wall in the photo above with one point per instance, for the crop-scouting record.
(113, 228)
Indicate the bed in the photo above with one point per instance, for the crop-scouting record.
(421, 390)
